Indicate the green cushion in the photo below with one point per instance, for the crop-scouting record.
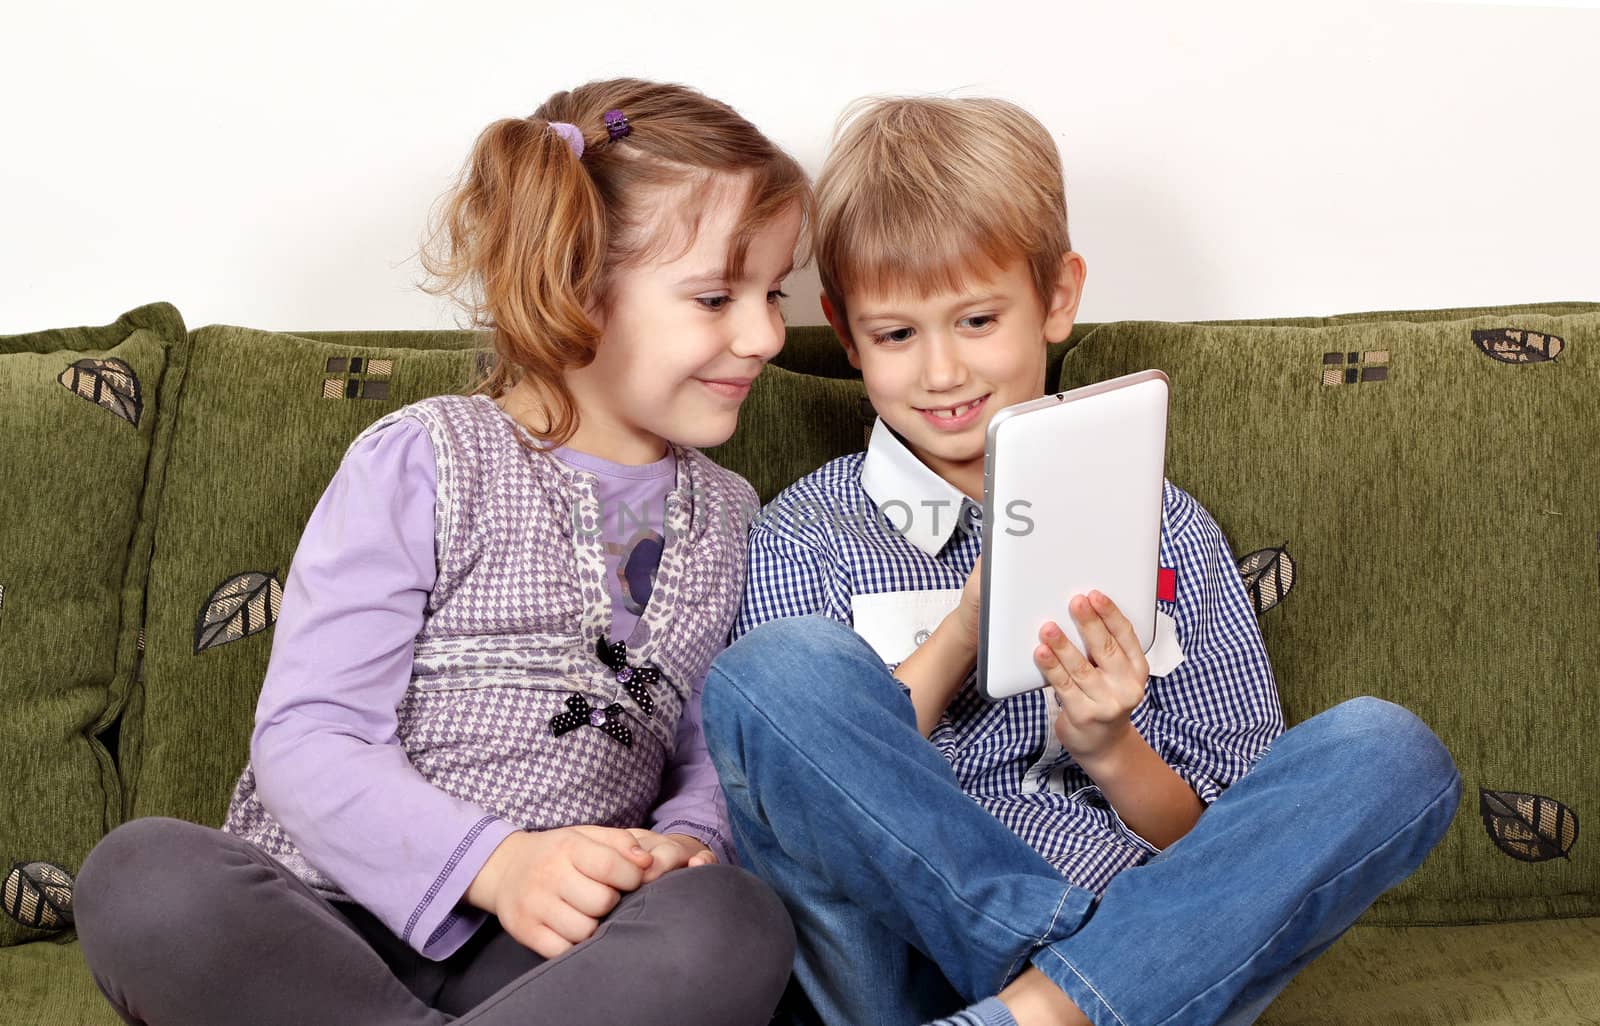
(1467, 312)
(79, 415)
(254, 445)
(813, 348)
(1502, 974)
(49, 984)
(1512, 974)
(1442, 513)
(1452, 314)
(441, 339)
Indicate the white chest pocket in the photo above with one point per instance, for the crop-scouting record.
(1165, 652)
(894, 623)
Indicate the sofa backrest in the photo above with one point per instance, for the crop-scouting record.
(263, 422)
(1436, 502)
(1415, 505)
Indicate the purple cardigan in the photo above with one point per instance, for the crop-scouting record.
(327, 763)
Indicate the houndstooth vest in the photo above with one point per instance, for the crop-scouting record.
(510, 706)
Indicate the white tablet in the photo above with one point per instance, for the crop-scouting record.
(1071, 502)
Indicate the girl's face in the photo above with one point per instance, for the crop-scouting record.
(681, 342)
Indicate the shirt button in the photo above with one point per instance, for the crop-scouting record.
(971, 517)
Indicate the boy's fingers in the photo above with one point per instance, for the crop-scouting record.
(1065, 652)
(1087, 675)
(1119, 625)
(1098, 643)
(1074, 672)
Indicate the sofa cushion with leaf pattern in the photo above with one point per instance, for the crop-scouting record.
(79, 456)
(265, 420)
(1415, 508)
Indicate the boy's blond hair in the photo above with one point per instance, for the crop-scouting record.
(920, 194)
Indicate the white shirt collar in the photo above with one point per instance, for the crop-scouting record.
(909, 493)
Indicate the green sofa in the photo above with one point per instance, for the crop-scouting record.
(1413, 499)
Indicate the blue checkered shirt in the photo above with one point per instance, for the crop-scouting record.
(881, 521)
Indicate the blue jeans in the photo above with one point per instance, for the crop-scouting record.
(910, 900)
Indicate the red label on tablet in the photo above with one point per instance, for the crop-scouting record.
(1167, 584)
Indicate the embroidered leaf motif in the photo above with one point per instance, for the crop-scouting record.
(1529, 827)
(108, 383)
(239, 607)
(1517, 345)
(38, 895)
(1268, 576)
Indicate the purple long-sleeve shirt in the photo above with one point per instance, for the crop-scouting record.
(328, 763)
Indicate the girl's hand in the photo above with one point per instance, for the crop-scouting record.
(1098, 690)
(671, 851)
(551, 888)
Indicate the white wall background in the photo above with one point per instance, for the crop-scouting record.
(273, 165)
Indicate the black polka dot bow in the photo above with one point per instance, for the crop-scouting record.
(580, 712)
(636, 680)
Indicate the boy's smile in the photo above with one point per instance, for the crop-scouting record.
(956, 417)
(937, 367)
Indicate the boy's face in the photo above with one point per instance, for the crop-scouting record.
(938, 367)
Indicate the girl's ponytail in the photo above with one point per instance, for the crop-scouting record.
(521, 240)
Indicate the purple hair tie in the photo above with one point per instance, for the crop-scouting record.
(572, 134)
(617, 126)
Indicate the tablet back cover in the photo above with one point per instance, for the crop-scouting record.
(1072, 502)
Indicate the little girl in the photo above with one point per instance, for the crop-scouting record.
(486, 677)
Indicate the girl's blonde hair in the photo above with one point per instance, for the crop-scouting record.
(529, 236)
(918, 194)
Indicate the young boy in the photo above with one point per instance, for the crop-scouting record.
(1045, 856)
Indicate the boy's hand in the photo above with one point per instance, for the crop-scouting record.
(671, 851)
(551, 888)
(966, 620)
(937, 668)
(1098, 690)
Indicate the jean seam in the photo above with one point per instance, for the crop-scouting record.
(1085, 981)
(1174, 1017)
(1039, 941)
(976, 912)
(1426, 809)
